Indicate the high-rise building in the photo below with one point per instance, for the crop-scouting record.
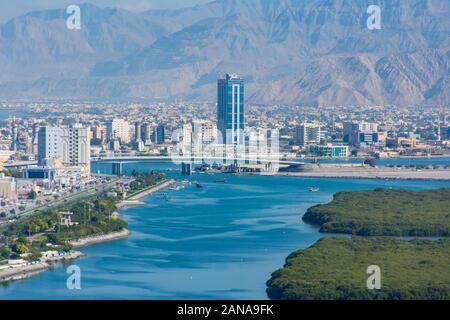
(137, 132)
(76, 147)
(231, 109)
(24, 143)
(307, 134)
(152, 134)
(187, 134)
(118, 129)
(15, 136)
(160, 135)
(146, 132)
(35, 137)
(49, 145)
(97, 132)
(69, 145)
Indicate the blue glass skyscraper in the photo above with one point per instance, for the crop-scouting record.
(231, 109)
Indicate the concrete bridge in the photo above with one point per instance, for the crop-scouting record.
(19, 164)
(179, 160)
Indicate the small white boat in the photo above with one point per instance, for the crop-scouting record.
(313, 189)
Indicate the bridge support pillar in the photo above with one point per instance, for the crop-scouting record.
(117, 168)
(186, 169)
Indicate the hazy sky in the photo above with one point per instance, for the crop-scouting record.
(12, 8)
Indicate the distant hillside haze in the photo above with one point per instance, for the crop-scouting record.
(297, 52)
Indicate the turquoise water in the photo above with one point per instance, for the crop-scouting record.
(220, 242)
(5, 114)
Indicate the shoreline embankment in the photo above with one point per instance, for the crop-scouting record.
(27, 270)
(24, 271)
(134, 200)
(88, 241)
(366, 172)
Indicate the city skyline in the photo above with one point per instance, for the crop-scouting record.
(207, 152)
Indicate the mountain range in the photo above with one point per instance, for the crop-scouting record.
(298, 52)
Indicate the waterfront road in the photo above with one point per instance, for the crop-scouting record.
(70, 198)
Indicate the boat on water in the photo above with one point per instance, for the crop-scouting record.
(165, 197)
(313, 189)
(180, 186)
(221, 181)
(199, 185)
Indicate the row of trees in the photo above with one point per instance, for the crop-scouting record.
(93, 216)
(144, 180)
(16, 247)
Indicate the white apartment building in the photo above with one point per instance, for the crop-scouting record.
(49, 145)
(68, 145)
(118, 129)
(75, 147)
(187, 134)
(205, 132)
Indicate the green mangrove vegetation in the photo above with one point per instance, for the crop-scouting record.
(336, 269)
(385, 212)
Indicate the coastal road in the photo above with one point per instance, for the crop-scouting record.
(70, 198)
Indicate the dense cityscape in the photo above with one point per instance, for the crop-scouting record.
(48, 152)
(215, 158)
